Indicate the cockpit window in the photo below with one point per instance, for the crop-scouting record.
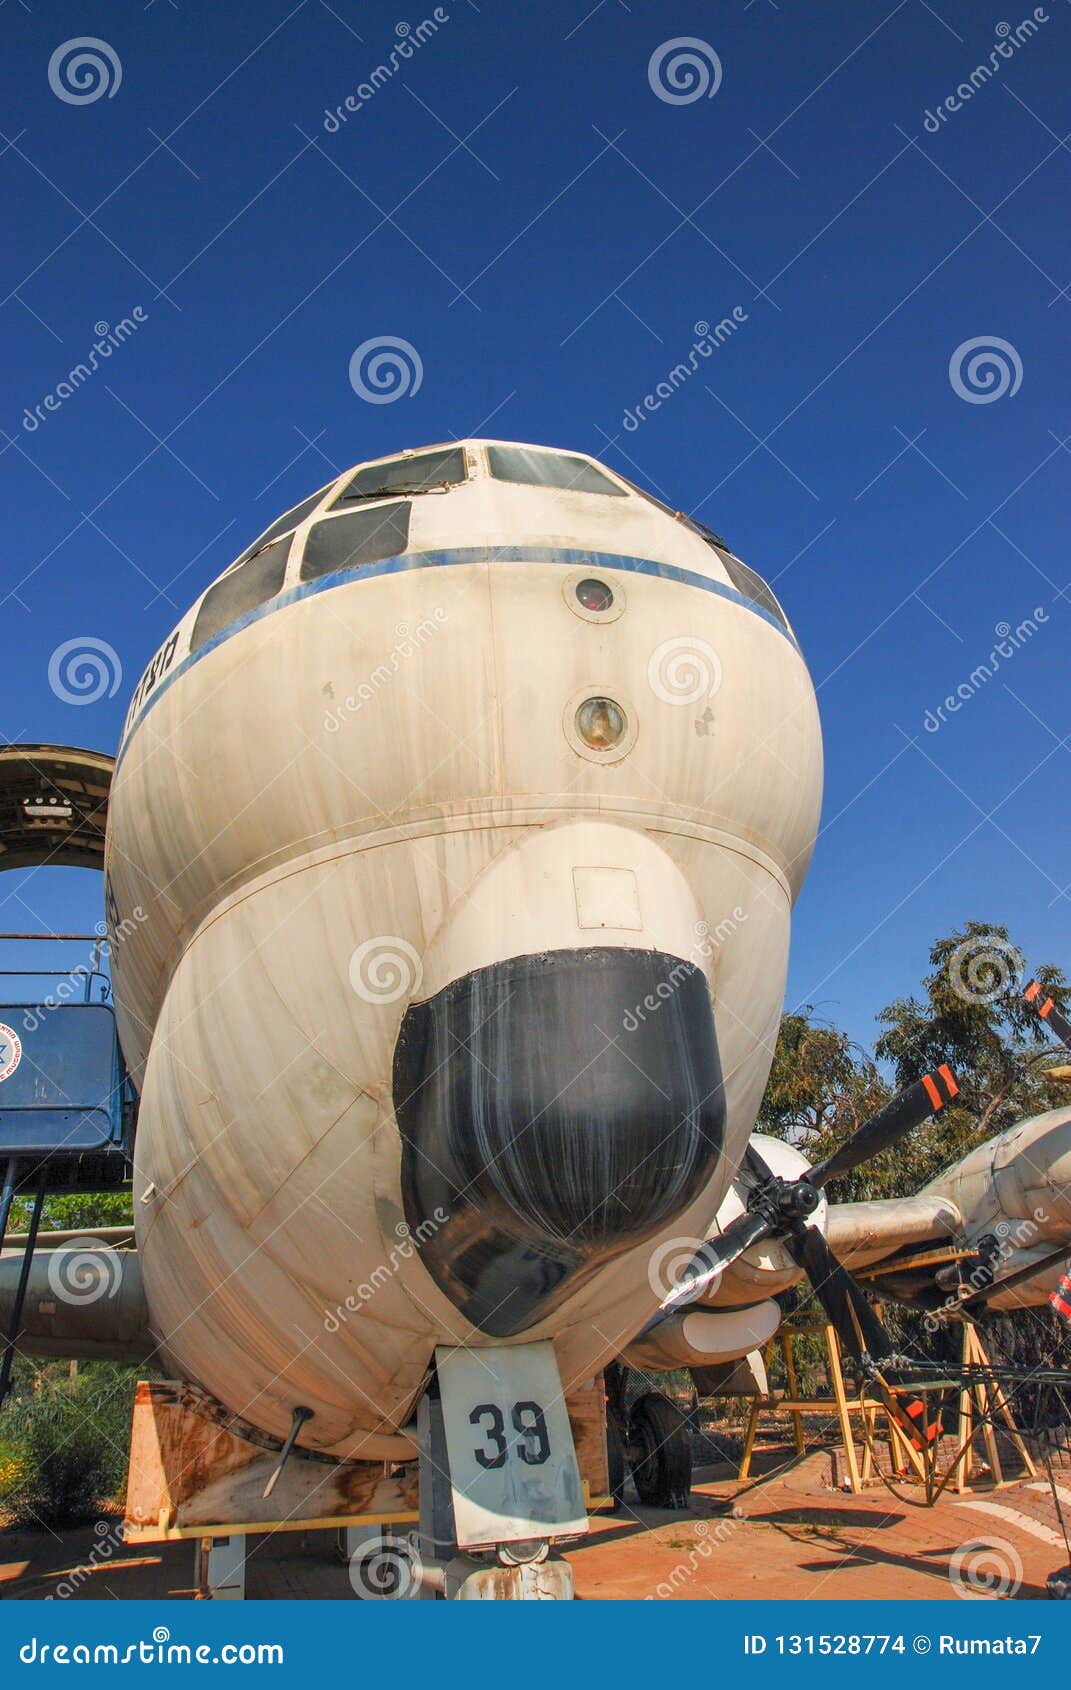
(282, 525)
(420, 473)
(746, 581)
(752, 586)
(692, 523)
(240, 591)
(347, 542)
(549, 469)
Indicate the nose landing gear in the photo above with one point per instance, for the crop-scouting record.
(660, 1452)
(648, 1437)
(500, 1485)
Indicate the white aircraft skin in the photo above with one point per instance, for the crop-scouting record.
(362, 862)
(351, 811)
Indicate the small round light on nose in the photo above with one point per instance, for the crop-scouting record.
(594, 595)
(601, 723)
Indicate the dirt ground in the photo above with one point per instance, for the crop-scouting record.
(787, 1534)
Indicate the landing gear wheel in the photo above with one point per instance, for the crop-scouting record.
(660, 1451)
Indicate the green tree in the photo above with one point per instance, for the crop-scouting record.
(822, 1087)
(971, 1014)
(76, 1212)
(974, 1017)
(64, 1442)
(820, 1083)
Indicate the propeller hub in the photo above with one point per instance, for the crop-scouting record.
(805, 1198)
(785, 1202)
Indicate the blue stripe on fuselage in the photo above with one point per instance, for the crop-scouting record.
(441, 560)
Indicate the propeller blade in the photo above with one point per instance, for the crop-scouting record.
(907, 1110)
(758, 1168)
(858, 1327)
(710, 1261)
(1043, 1006)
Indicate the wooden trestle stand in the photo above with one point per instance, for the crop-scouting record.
(981, 1406)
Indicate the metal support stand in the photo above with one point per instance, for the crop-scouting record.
(8, 1359)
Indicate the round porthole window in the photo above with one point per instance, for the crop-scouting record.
(602, 729)
(591, 597)
(594, 594)
(601, 724)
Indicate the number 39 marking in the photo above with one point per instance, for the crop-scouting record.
(528, 1419)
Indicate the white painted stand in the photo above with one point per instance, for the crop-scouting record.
(351, 1538)
(220, 1568)
(498, 1468)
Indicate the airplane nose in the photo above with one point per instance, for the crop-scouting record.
(555, 1110)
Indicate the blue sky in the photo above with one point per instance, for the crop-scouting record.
(520, 205)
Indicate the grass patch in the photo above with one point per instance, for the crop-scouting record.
(64, 1445)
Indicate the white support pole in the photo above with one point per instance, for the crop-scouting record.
(220, 1569)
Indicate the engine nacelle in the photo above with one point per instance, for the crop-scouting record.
(1018, 1185)
(704, 1337)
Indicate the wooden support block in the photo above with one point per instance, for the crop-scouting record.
(586, 1407)
(192, 1474)
(219, 1570)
